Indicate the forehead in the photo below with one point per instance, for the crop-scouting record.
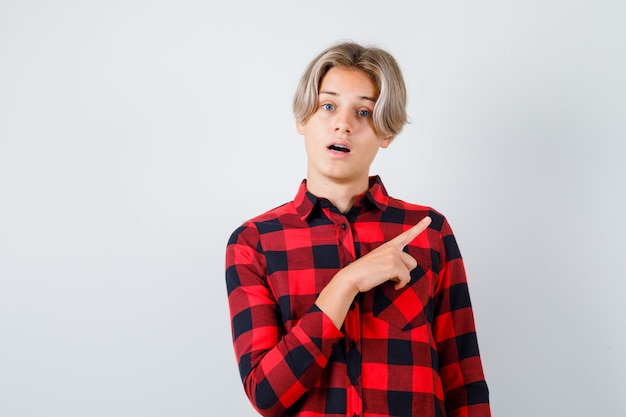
(340, 80)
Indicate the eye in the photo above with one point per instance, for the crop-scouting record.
(364, 113)
(328, 107)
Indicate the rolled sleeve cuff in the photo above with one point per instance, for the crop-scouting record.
(318, 328)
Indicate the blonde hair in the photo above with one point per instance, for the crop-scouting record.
(390, 109)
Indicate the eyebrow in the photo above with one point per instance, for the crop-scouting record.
(332, 93)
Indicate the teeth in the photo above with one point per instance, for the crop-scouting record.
(340, 148)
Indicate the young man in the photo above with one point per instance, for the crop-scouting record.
(346, 301)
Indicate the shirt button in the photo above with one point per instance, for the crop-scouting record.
(353, 381)
(343, 226)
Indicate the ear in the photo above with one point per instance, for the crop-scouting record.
(385, 142)
(300, 127)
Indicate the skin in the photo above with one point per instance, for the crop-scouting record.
(343, 121)
(344, 117)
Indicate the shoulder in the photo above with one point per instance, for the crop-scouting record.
(413, 213)
(440, 235)
(274, 214)
(271, 220)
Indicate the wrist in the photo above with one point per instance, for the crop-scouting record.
(344, 284)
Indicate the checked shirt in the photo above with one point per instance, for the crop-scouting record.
(409, 353)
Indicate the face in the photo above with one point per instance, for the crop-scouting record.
(340, 139)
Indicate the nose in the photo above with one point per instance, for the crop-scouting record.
(344, 121)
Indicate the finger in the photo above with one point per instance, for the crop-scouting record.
(402, 281)
(399, 285)
(404, 277)
(408, 236)
(409, 262)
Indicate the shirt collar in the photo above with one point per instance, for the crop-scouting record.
(377, 195)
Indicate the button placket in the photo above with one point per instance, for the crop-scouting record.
(344, 238)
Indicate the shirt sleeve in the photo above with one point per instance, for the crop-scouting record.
(465, 390)
(277, 367)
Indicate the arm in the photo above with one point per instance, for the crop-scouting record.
(388, 262)
(276, 367)
(465, 389)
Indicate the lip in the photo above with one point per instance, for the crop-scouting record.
(339, 154)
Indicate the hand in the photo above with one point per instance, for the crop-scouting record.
(385, 263)
(388, 262)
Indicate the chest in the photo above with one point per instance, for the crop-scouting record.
(301, 261)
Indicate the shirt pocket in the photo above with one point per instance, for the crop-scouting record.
(409, 307)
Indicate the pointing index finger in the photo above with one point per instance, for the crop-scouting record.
(408, 236)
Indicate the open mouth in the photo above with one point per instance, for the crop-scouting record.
(339, 148)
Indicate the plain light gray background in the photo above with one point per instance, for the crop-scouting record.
(136, 135)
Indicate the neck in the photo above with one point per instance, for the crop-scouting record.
(341, 195)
